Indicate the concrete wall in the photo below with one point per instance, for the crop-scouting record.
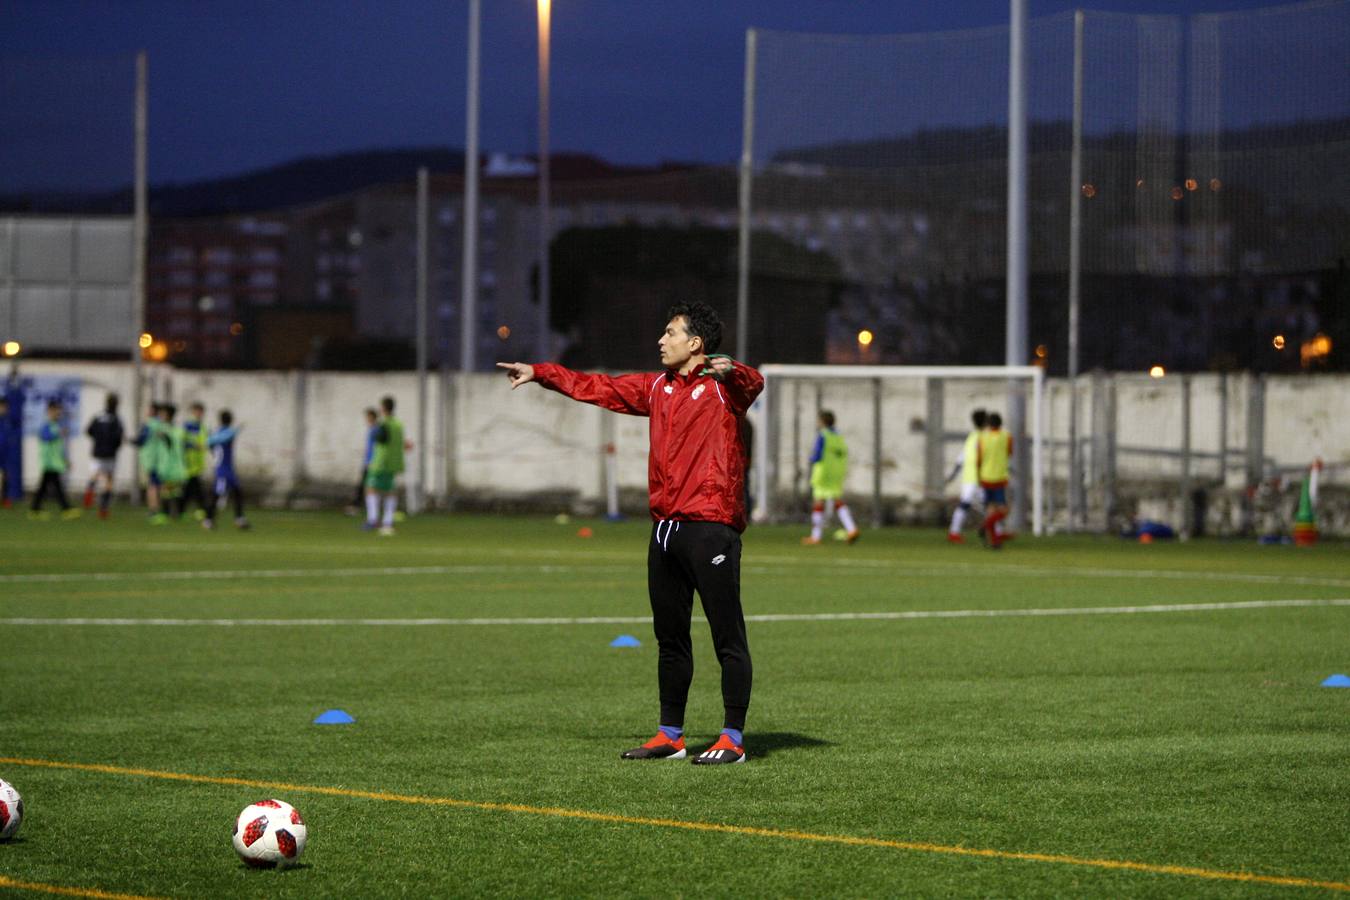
(304, 432)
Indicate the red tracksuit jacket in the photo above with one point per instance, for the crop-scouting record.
(696, 464)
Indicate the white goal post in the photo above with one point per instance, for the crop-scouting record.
(781, 404)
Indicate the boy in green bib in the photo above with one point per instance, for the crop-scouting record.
(52, 457)
(386, 463)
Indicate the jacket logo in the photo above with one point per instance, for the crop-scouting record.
(719, 559)
(698, 392)
(669, 389)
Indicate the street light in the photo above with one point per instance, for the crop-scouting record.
(12, 348)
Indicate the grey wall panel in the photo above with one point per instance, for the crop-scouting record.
(65, 283)
(43, 250)
(102, 317)
(42, 316)
(103, 251)
(6, 258)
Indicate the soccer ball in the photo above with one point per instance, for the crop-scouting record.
(11, 810)
(270, 833)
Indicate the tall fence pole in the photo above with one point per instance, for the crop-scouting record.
(140, 236)
(423, 269)
(747, 174)
(1076, 511)
(1016, 345)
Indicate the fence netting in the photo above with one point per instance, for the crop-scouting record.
(1215, 191)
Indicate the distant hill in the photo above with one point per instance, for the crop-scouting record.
(294, 183)
(306, 180)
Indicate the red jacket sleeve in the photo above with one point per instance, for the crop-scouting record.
(629, 394)
(742, 384)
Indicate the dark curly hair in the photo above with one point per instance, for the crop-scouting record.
(700, 321)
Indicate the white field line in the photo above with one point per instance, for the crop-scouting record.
(244, 574)
(768, 617)
(758, 565)
(588, 566)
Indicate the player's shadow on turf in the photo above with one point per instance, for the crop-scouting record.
(764, 743)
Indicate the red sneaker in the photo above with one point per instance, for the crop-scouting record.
(89, 499)
(659, 747)
(724, 752)
(853, 536)
(954, 537)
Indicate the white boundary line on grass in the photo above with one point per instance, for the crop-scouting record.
(243, 574)
(638, 620)
(850, 567)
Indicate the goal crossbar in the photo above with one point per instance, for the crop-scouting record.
(767, 477)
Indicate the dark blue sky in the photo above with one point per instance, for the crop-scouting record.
(238, 84)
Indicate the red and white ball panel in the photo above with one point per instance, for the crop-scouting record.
(11, 810)
(270, 833)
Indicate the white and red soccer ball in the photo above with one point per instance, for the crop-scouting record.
(270, 833)
(11, 810)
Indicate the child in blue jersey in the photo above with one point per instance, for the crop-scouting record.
(372, 430)
(9, 438)
(221, 444)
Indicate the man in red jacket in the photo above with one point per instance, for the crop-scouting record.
(696, 477)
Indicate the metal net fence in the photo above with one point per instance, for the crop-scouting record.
(1212, 210)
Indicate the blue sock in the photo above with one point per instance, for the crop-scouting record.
(735, 735)
(674, 732)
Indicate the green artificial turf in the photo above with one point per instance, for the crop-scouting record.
(1198, 739)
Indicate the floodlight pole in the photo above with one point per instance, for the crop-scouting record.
(746, 180)
(140, 234)
(1016, 344)
(543, 348)
(468, 311)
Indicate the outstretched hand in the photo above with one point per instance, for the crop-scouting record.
(518, 373)
(719, 364)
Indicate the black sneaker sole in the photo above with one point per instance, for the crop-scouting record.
(644, 753)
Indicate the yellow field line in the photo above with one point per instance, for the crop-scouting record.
(782, 834)
(17, 885)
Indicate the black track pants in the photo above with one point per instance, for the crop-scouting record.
(684, 557)
(50, 481)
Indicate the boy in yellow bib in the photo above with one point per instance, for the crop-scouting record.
(829, 465)
(996, 448)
